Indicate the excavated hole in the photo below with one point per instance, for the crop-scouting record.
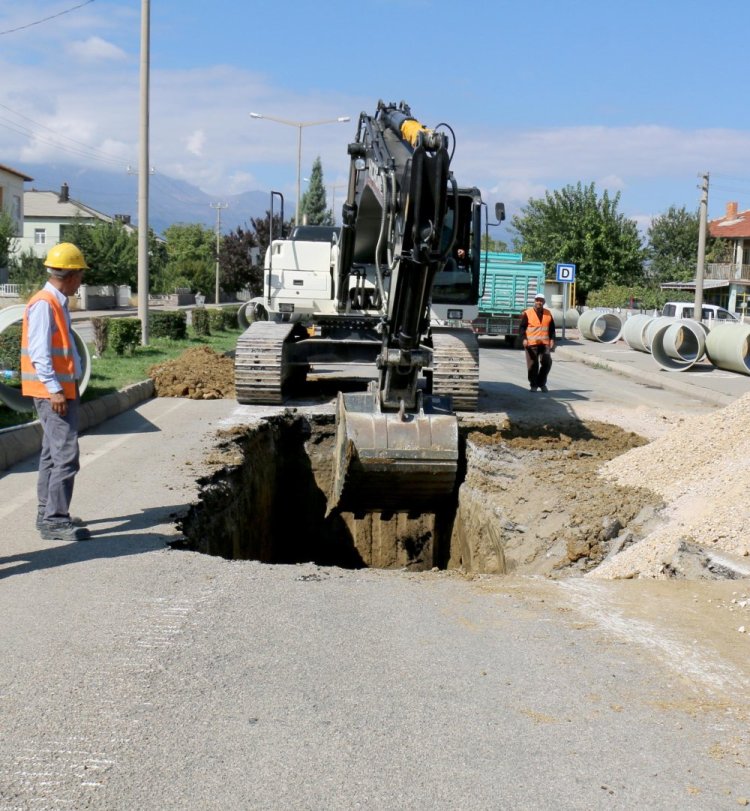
(529, 500)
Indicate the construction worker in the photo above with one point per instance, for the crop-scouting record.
(50, 370)
(537, 330)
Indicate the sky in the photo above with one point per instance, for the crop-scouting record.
(639, 97)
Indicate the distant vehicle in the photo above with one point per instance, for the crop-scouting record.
(684, 309)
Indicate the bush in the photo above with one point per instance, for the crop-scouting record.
(172, 324)
(101, 334)
(221, 319)
(10, 348)
(201, 321)
(124, 335)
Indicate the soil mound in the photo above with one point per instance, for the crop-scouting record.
(199, 373)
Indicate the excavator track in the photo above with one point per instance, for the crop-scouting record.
(259, 368)
(455, 367)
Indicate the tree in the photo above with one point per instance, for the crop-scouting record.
(110, 250)
(673, 245)
(28, 272)
(313, 206)
(7, 238)
(575, 225)
(236, 262)
(493, 245)
(191, 257)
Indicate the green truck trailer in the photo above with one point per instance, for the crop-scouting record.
(507, 286)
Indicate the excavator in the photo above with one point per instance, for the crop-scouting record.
(392, 287)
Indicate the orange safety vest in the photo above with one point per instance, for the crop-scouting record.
(63, 361)
(537, 331)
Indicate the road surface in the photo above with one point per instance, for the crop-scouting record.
(134, 676)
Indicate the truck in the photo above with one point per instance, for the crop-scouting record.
(508, 285)
(366, 293)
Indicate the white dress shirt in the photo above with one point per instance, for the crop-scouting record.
(41, 326)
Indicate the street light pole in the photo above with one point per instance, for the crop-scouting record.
(218, 207)
(143, 275)
(300, 125)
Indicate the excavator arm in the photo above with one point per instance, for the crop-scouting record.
(397, 448)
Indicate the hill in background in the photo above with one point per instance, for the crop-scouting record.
(170, 201)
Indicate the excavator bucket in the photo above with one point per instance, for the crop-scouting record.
(393, 462)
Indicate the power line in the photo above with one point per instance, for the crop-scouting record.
(45, 19)
(93, 150)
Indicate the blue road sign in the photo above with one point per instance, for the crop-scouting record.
(566, 272)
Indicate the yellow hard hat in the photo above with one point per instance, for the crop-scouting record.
(65, 256)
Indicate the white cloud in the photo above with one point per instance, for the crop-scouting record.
(195, 142)
(96, 49)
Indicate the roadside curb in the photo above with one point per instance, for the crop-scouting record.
(22, 441)
(659, 379)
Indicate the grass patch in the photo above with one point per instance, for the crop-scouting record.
(110, 373)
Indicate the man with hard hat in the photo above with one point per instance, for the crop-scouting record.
(50, 370)
(537, 331)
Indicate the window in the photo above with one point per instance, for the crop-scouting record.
(40, 236)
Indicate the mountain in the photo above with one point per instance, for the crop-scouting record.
(170, 200)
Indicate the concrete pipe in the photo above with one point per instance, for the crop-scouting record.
(634, 331)
(728, 347)
(653, 326)
(676, 347)
(602, 327)
(12, 397)
(571, 317)
(242, 315)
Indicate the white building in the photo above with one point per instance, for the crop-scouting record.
(48, 213)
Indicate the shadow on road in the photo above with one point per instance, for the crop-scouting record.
(110, 542)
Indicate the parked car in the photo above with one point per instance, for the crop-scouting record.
(684, 309)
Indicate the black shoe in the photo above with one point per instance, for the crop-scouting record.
(544, 388)
(532, 388)
(63, 531)
(74, 519)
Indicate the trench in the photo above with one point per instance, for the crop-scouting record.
(527, 500)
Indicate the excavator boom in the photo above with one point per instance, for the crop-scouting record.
(396, 446)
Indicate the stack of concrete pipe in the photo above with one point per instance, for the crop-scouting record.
(602, 327)
(11, 396)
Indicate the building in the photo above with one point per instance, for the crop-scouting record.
(727, 284)
(48, 213)
(11, 200)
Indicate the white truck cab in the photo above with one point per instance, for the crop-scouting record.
(710, 312)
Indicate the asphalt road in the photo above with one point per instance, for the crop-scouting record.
(133, 676)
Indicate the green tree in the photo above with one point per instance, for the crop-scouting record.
(28, 272)
(8, 241)
(493, 245)
(673, 245)
(237, 270)
(110, 250)
(574, 224)
(314, 206)
(191, 257)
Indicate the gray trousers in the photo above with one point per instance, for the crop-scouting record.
(58, 462)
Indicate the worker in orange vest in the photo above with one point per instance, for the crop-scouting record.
(537, 330)
(50, 370)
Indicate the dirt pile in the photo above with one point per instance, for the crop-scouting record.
(701, 469)
(199, 374)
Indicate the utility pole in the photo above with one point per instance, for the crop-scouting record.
(703, 221)
(218, 207)
(143, 278)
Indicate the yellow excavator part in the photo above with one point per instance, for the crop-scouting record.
(392, 461)
(411, 128)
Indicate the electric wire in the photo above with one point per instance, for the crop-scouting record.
(45, 19)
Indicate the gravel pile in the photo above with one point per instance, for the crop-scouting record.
(701, 469)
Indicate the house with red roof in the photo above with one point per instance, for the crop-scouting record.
(735, 275)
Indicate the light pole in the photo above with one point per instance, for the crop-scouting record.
(300, 125)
